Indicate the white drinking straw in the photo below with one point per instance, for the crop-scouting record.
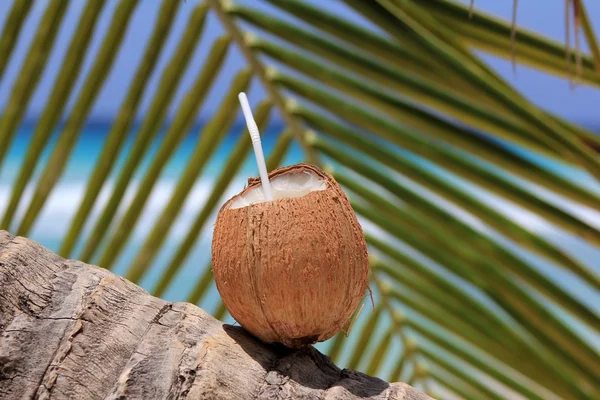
(258, 152)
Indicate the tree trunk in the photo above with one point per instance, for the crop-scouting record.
(71, 330)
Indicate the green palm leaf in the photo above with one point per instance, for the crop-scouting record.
(56, 104)
(32, 67)
(12, 29)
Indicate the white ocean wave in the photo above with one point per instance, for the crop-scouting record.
(535, 222)
(61, 206)
(63, 202)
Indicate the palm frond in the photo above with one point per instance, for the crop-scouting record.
(94, 80)
(428, 141)
(12, 29)
(150, 127)
(31, 71)
(183, 121)
(56, 104)
(123, 122)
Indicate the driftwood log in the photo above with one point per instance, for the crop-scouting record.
(74, 331)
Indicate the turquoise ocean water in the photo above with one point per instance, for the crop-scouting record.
(64, 200)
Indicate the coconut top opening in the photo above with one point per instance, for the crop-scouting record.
(286, 185)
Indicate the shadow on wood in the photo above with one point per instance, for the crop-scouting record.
(75, 331)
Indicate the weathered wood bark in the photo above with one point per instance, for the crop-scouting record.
(71, 330)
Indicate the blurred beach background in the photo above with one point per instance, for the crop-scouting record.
(579, 105)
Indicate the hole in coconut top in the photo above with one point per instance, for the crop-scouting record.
(290, 184)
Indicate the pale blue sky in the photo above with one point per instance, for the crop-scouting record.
(544, 16)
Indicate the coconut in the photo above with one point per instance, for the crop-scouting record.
(292, 270)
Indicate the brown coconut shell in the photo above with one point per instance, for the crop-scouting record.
(292, 270)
